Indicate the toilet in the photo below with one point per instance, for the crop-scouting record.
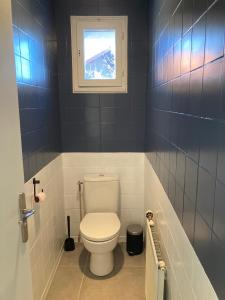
(100, 226)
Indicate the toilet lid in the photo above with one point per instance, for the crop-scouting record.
(99, 227)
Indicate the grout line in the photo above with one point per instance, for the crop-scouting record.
(82, 280)
(52, 275)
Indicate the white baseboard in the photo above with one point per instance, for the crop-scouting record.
(76, 239)
(122, 239)
(49, 282)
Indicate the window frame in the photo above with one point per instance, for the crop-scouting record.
(78, 25)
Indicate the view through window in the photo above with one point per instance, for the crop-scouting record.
(99, 54)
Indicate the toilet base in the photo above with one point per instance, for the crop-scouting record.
(101, 259)
(101, 264)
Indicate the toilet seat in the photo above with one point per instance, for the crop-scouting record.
(100, 227)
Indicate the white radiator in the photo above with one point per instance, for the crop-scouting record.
(155, 269)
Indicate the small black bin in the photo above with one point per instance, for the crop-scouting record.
(134, 239)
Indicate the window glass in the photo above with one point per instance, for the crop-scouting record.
(99, 54)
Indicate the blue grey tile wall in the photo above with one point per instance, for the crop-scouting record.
(35, 50)
(186, 121)
(104, 122)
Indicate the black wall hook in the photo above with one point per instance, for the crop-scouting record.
(35, 181)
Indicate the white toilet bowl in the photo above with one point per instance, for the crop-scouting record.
(100, 233)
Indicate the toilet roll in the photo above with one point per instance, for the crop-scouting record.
(41, 196)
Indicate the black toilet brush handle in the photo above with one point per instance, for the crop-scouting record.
(68, 225)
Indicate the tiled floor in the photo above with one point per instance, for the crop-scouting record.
(73, 280)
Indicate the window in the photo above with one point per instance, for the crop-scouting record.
(99, 54)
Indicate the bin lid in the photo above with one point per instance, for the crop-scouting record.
(134, 229)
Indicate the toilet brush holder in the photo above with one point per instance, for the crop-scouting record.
(69, 244)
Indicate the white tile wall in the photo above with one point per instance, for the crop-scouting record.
(129, 167)
(46, 227)
(186, 276)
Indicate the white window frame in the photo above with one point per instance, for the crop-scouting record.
(80, 85)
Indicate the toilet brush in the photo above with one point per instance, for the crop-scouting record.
(69, 244)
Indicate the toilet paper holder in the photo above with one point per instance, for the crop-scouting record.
(35, 182)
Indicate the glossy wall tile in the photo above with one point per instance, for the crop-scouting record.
(35, 50)
(104, 122)
(130, 169)
(185, 121)
(186, 278)
(46, 227)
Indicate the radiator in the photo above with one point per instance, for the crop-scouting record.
(155, 269)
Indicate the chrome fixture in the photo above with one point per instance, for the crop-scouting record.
(24, 215)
